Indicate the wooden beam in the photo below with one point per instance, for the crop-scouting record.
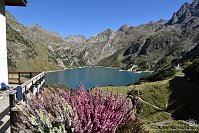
(15, 2)
(12, 98)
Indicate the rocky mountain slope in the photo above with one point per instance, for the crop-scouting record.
(31, 48)
(149, 46)
(170, 41)
(106, 43)
(75, 39)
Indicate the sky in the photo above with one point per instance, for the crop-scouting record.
(90, 17)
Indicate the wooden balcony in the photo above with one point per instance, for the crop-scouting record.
(34, 84)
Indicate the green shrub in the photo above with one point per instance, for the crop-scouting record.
(192, 71)
(185, 64)
(135, 126)
(158, 76)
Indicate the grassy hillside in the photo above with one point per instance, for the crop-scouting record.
(155, 93)
(29, 48)
(164, 104)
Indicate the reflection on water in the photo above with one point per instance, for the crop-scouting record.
(93, 76)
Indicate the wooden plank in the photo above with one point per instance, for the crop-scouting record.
(12, 98)
(13, 83)
(34, 79)
(14, 109)
(23, 89)
(24, 72)
(19, 76)
(13, 79)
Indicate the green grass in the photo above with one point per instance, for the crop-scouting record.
(155, 93)
(159, 75)
(120, 90)
(184, 99)
(174, 127)
(176, 98)
(192, 71)
(15, 37)
(150, 115)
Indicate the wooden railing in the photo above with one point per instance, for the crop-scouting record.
(34, 85)
(15, 77)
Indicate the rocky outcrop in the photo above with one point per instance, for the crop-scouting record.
(75, 39)
(187, 12)
(191, 55)
(166, 41)
(181, 15)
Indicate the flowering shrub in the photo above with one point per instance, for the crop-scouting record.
(48, 113)
(81, 112)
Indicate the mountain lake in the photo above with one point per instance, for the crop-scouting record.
(92, 77)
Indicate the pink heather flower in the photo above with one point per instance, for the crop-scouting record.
(99, 113)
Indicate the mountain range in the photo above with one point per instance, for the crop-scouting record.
(151, 46)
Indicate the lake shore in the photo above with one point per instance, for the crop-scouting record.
(118, 69)
(135, 71)
(66, 69)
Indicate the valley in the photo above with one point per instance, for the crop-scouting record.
(151, 46)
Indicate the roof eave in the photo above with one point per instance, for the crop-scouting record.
(15, 2)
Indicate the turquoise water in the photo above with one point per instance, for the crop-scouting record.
(92, 77)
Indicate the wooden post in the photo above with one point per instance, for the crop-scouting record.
(40, 81)
(31, 87)
(36, 86)
(43, 78)
(19, 77)
(30, 75)
(12, 99)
